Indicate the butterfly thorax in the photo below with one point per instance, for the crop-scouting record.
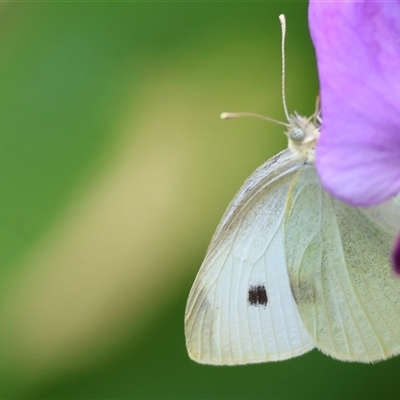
(303, 134)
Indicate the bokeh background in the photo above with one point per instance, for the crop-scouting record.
(115, 170)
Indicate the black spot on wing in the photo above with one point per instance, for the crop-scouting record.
(257, 296)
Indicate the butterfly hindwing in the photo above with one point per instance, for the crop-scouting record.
(338, 264)
(240, 309)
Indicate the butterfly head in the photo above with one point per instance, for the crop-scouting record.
(302, 135)
(302, 132)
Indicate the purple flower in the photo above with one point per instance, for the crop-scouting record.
(358, 55)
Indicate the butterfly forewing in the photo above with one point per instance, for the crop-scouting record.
(241, 309)
(338, 264)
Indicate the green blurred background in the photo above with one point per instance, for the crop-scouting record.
(115, 170)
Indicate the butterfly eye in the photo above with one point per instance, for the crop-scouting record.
(297, 134)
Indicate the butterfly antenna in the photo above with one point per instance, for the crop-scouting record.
(282, 20)
(316, 116)
(230, 115)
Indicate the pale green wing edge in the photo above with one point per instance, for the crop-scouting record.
(339, 269)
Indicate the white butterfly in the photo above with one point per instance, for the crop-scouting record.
(290, 268)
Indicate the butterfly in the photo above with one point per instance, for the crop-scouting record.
(290, 269)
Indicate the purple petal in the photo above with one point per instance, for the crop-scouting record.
(396, 256)
(358, 56)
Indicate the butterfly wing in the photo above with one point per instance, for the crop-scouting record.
(240, 309)
(338, 263)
